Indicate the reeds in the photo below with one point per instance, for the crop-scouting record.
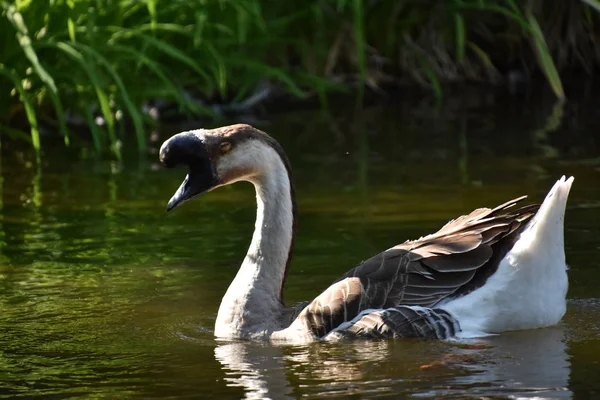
(101, 62)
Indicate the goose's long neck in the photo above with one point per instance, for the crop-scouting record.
(253, 302)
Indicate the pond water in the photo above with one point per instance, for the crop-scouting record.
(104, 294)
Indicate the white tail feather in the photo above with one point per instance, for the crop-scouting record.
(547, 226)
(529, 288)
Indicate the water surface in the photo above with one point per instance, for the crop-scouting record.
(103, 294)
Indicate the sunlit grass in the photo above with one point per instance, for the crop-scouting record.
(97, 60)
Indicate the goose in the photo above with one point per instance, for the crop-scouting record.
(483, 273)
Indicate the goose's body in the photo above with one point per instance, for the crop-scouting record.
(490, 271)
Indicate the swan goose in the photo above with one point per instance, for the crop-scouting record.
(490, 271)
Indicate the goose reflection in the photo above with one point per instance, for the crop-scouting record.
(527, 364)
(256, 367)
(262, 369)
(337, 363)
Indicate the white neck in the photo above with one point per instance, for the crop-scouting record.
(252, 304)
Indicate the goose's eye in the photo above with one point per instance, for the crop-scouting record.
(225, 147)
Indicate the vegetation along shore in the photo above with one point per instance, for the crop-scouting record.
(72, 64)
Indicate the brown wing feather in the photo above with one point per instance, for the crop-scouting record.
(449, 263)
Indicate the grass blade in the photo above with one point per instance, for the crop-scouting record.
(433, 79)
(25, 42)
(15, 133)
(60, 115)
(151, 5)
(90, 70)
(359, 37)
(485, 59)
(199, 31)
(96, 133)
(221, 72)
(269, 71)
(514, 6)
(167, 49)
(593, 3)
(27, 103)
(16, 19)
(157, 69)
(544, 56)
(459, 24)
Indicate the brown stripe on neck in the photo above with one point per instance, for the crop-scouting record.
(241, 132)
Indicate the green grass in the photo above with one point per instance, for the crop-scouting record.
(99, 59)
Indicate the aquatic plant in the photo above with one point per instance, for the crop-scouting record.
(103, 65)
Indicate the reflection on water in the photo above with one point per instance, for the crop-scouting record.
(528, 364)
(103, 294)
(255, 367)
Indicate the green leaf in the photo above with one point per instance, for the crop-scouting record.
(134, 113)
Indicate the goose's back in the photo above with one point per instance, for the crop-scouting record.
(392, 293)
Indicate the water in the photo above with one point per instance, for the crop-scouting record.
(103, 294)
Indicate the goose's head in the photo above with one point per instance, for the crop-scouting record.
(219, 157)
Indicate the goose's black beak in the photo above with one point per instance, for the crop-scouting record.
(188, 149)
